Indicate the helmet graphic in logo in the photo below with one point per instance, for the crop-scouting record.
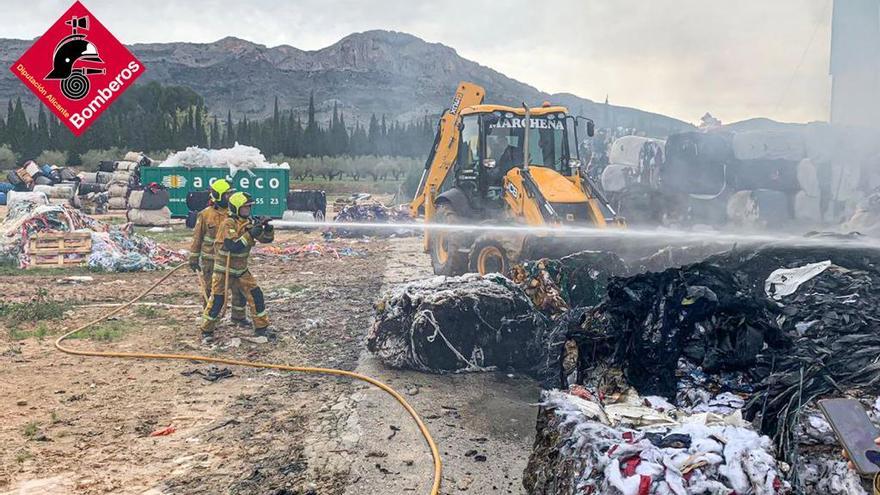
(71, 59)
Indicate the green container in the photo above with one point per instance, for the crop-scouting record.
(268, 186)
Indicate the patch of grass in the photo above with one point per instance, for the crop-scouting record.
(15, 271)
(39, 308)
(176, 234)
(22, 455)
(31, 429)
(147, 311)
(15, 333)
(41, 331)
(105, 332)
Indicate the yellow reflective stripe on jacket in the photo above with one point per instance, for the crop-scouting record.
(218, 268)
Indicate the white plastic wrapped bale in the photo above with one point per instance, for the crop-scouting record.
(807, 208)
(769, 145)
(117, 203)
(808, 177)
(616, 178)
(643, 446)
(237, 157)
(121, 177)
(58, 191)
(88, 177)
(15, 197)
(136, 157)
(150, 218)
(627, 150)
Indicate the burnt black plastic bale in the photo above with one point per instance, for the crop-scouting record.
(107, 166)
(647, 320)
(560, 367)
(466, 323)
(676, 256)
(85, 188)
(583, 277)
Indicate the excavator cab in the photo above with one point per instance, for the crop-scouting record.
(502, 165)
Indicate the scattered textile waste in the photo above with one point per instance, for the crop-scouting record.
(239, 157)
(634, 445)
(114, 248)
(371, 212)
(308, 250)
(454, 324)
(764, 331)
(164, 432)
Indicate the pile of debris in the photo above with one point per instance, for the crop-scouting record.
(766, 332)
(634, 445)
(366, 211)
(300, 252)
(455, 324)
(114, 248)
(57, 184)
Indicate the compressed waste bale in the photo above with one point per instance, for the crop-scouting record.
(32, 168)
(845, 180)
(117, 203)
(86, 188)
(452, 324)
(6, 187)
(104, 177)
(107, 166)
(807, 208)
(126, 166)
(67, 174)
(120, 177)
(808, 177)
(769, 145)
(697, 163)
(148, 199)
(42, 180)
(778, 175)
(57, 191)
(760, 208)
(584, 445)
(707, 209)
(88, 177)
(631, 150)
(152, 218)
(13, 179)
(310, 201)
(3, 198)
(15, 197)
(616, 178)
(117, 190)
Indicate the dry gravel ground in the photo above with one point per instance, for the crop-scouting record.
(73, 425)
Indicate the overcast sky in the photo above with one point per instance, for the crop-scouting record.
(734, 58)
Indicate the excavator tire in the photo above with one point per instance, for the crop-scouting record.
(446, 256)
(489, 256)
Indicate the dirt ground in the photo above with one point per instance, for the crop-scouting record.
(74, 425)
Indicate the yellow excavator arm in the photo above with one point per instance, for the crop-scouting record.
(445, 149)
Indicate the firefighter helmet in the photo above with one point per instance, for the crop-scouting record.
(218, 188)
(239, 200)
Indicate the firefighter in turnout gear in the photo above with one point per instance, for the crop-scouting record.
(201, 252)
(232, 247)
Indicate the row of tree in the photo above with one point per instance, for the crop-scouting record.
(157, 117)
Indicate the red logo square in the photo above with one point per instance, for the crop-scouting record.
(78, 68)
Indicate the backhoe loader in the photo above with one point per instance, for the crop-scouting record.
(476, 173)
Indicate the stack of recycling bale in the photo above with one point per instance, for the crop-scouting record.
(766, 177)
(149, 207)
(58, 184)
(633, 159)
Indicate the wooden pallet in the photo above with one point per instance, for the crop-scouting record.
(59, 249)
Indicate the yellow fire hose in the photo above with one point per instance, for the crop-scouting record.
(435, 453)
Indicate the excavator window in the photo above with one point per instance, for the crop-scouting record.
(547, 137)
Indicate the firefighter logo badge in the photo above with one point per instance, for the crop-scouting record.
(77, 68)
